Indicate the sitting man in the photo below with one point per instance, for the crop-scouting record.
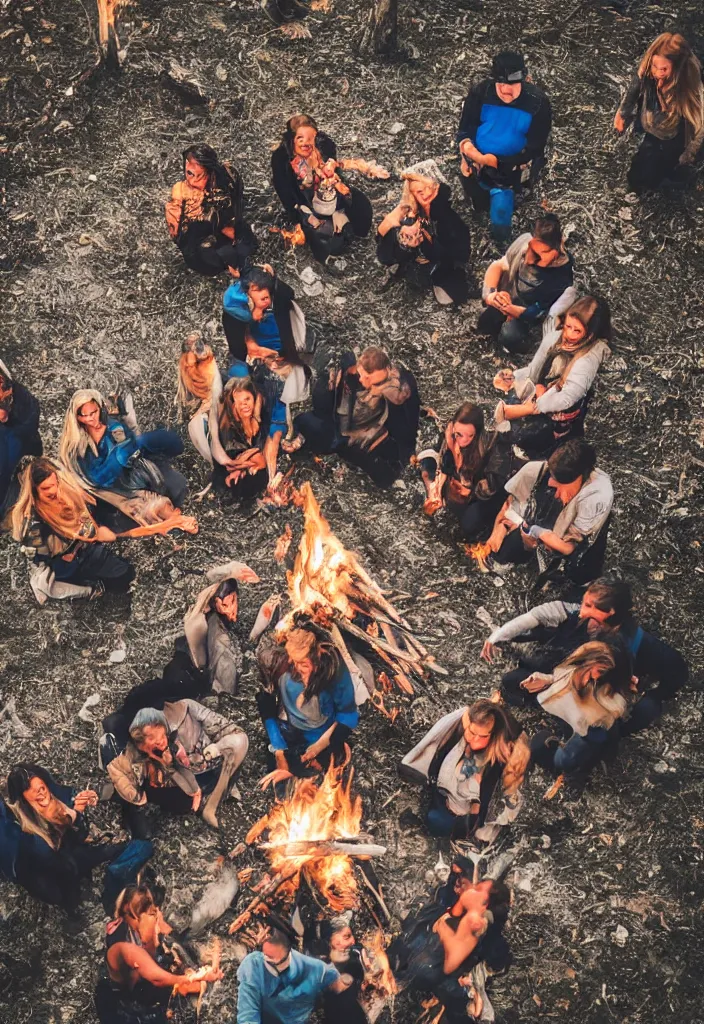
(280, 985)
(368, 414)
(19, 435)
(504, 127)
(560, 627)
(532, 280)
(172, 758)
(557, 509)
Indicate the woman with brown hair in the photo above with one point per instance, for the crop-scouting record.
(307, 702)
(139, 978)
(424, 240)
(474, 761)
(551, 395)
(305, 169)
(665, 102)
(53, 521)
(238, 438)
(47, 848)
(468, 473)
(589, 694)
(205, 215)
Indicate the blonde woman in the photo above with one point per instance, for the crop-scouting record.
(665, 101)
(547, 400)
(45, 846)
(424, 240)
(128, 473)
(53, 520)
(588, 694)
(474, 761)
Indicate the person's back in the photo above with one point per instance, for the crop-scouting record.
(279, 985)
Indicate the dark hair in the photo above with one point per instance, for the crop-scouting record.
(136, 898)
(593, 314)
(292, 126)
(470, 414)
(259, 278)
(42, 469)
(279, 938)
(373, 359)
(612, 594)
(20, 777)
(499, 902)
(226, 588)
(547, 229)
(572, 459)
(202, 154)
(313, 641)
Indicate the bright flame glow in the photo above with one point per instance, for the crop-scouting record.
(313, 816)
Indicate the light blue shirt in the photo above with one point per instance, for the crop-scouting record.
(289, 998)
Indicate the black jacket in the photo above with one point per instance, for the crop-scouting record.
(286, 183)
(449, 242)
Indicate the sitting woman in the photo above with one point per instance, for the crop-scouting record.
(424, 240)
(130, 474)
(589, 692)
(305, 169)
(558, 510)
(473, 761)
(552, 394)
(47, 847)
(19, 435)
(199, 387)
(205, 215)
(307, 703)
(665, 103)
(239, 435)
(261, 317)
(468, 473)
(53, 520)
(139, 977)
(349, 958)
(447, 954)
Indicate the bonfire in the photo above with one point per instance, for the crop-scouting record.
(328, 584)
(313, 834)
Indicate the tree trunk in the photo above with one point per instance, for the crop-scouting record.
(381, 32)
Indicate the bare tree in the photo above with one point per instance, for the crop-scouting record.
(381, 32)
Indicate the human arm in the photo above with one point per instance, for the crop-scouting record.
(215, 726)
(102, 470)
(580, 378)
(173, 210)
(249, 995)
(492, 280)
(695, 143)
(469, 124)
(86, 798)
(393, 219)
(547, 616)
(122, 776)
(459, 944)
(628, 108)
(271, 451)
(540, 534)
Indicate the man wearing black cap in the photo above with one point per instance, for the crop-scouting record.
(505, 125)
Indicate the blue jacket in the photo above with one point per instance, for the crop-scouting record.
(118, 444)
(289, 998)
(514, 132)
(10, 833)
(337, 704)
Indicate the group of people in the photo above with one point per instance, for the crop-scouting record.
(524, 486)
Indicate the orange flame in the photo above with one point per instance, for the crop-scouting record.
(304, 824)
(480, 553)
(283, 544)
(291, 238)
(107, 10)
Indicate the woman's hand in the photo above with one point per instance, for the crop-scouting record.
(314, 221)
(339, 219)
(214, 974)
(86, 798)
(247, 575)
(197, 797)
(498, 535)
(312, 751)
(278, 775)
(619, 123)
(488, 652)
(534, 684)
(104, 535)
(234, 477)
(540, 390)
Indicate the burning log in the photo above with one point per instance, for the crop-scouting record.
(290, 238)
(329, 584)
(480, 553)
(264, 893)
(283, 544)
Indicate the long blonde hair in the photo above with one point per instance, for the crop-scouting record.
(616, 670)
(75, 439)
(682, 93)
(508, 745)
(68, 516)
(407, 197)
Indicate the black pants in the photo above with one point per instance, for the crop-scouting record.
(655, 160)
(235, 337)
(476, 518)
(212, 259)
(54, 877)
(170, 799)
(324, 243)
(581, 567)
(175, 488)
(383, 464)
(247, 487)
(513, 335)
(95, 564)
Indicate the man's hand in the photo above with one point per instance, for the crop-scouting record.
(489, 160)
(278, 775)
(619, 123)
(86, 798)
(211, 752)
(488, 652)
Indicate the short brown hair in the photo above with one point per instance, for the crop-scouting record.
(374, 359)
